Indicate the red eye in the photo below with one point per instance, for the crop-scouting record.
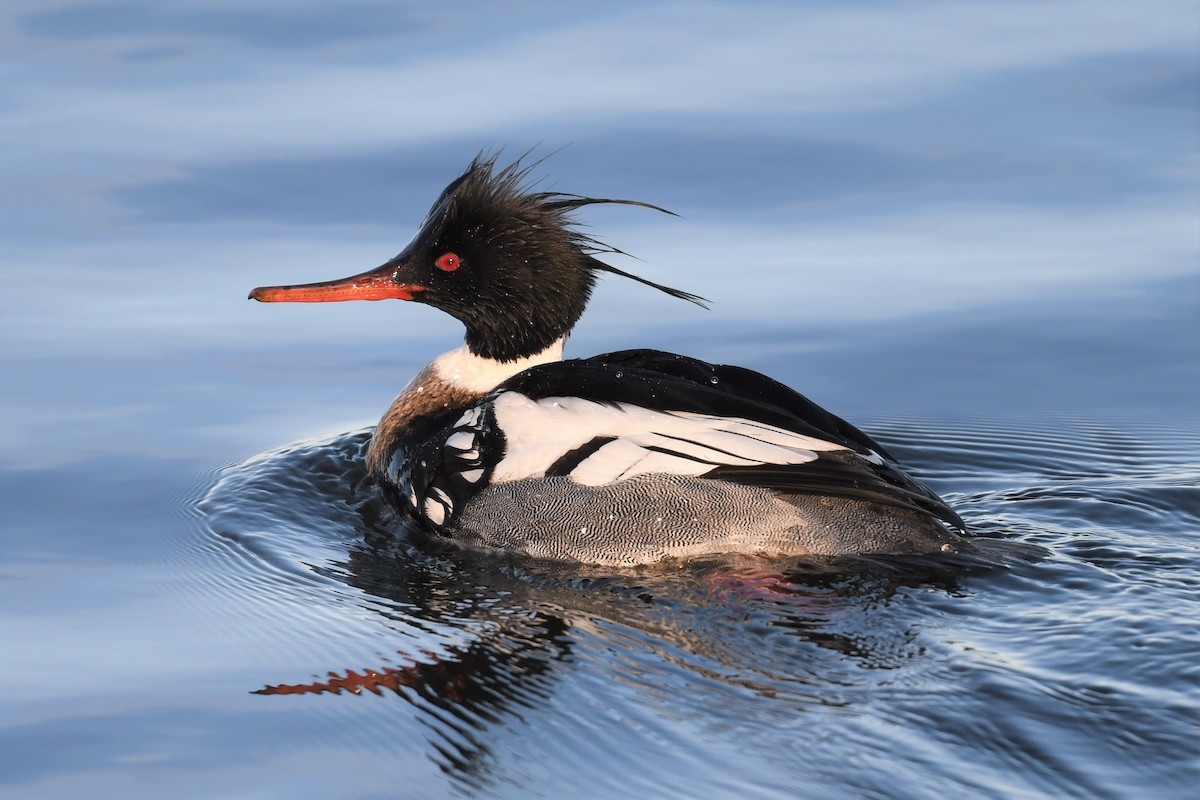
(448, 262)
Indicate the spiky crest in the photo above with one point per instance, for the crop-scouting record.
(485, 194)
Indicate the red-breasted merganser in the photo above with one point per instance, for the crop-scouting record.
(625, 458)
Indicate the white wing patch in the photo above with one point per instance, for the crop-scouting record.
(435, 511)
(539, 432)
(463, 440)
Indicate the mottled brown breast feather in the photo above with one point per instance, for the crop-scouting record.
(426, 399)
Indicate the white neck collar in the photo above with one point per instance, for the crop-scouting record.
(463, 369)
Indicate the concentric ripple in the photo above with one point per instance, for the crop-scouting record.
(886, 676)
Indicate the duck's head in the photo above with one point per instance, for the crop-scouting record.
(505, 261)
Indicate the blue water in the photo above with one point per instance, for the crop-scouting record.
(974, 230)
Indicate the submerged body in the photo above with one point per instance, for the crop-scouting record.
(626, 458)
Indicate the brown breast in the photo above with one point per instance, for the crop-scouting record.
(426, 401)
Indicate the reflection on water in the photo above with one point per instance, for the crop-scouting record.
(528, 624)
(485, 647)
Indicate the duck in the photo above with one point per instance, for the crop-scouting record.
(636, 457)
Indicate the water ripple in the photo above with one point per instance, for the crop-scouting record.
(911, 673)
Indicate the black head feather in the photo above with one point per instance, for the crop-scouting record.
(526, 272)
